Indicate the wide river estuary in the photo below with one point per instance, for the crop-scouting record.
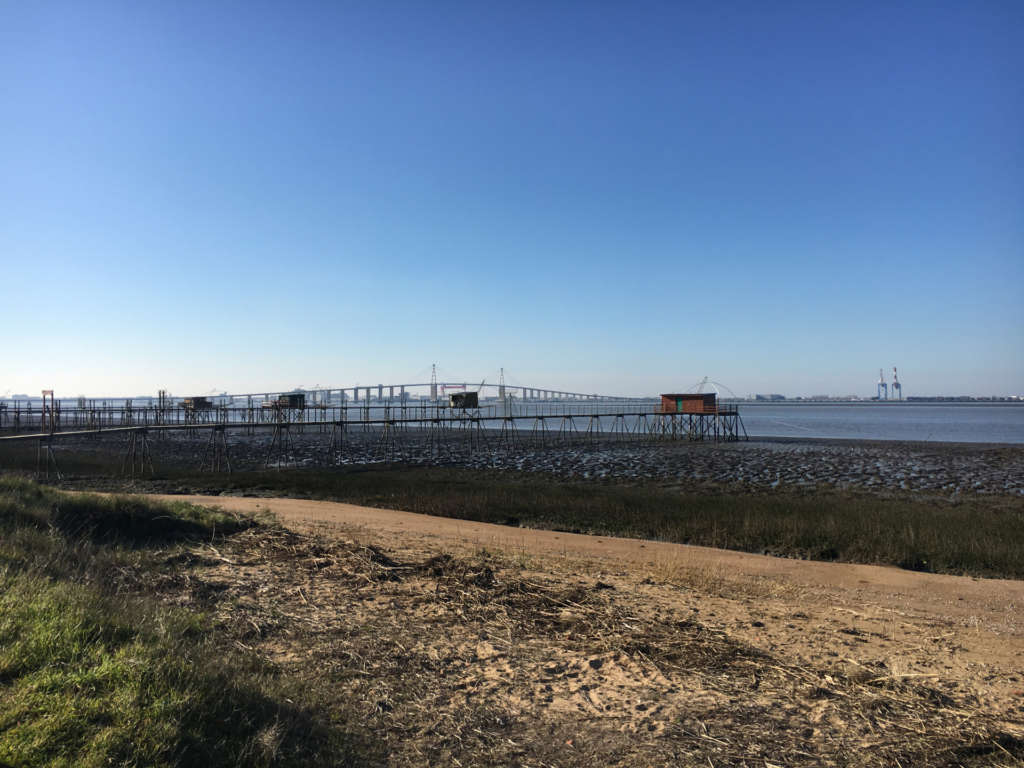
(940, 422)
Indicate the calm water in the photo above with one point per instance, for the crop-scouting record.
(934, 422)
(974, 423)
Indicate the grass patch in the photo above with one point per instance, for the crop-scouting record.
(91, 682)
(94, 671)
(981, 537)
(122, 520)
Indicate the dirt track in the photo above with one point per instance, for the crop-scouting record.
(996, 603)
(913, 625)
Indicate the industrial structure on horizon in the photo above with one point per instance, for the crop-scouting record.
(884, 390)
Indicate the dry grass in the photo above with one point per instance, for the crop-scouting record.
(471, 662)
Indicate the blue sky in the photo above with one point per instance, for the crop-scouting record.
(620, 198)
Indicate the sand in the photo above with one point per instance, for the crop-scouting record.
(964, 634)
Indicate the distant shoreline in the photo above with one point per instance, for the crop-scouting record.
(874, 442)
(886, 403)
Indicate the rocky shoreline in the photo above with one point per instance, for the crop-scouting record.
(765, 463)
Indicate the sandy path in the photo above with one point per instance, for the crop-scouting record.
(953, 630)
(985, 600)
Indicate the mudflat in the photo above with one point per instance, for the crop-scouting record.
(954, 470)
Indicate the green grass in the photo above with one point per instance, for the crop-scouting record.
(123, 520)
(94, 673)
(982, 537)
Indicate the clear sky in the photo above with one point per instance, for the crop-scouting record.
(609, 197)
